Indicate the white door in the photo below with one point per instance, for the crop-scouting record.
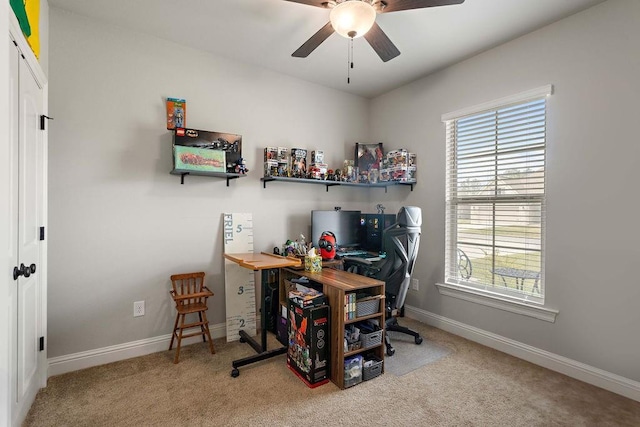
(27, 151)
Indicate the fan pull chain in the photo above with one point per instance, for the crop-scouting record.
(349, 59)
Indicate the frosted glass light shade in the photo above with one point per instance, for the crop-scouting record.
(352, 18)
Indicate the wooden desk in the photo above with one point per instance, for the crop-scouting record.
(259, 262)
(335, 284)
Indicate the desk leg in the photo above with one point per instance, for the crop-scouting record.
(262, 351)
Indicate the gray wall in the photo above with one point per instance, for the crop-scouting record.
(120, 225)
(592, 255)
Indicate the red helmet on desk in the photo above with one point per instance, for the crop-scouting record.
(327, 245)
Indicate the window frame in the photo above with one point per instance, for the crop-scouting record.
(485, 294)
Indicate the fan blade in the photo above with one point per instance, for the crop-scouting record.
(379, 41)
(397, 5)
(318, 3)
(315, 41)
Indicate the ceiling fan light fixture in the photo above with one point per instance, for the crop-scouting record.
(352, 18)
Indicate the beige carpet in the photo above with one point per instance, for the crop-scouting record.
(471, 386)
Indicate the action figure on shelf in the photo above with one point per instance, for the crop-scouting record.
(178, 117)
(241, 166)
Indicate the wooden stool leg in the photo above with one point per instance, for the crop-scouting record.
(206, 326)
(175, 360)
(202, 327)
(173, 334)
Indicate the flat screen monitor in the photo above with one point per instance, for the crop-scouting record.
(346, 225)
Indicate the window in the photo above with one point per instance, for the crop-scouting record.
(495, 197)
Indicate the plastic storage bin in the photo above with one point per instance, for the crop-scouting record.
(352, 371)
(367, 307)
(371, 339)
(373, 370)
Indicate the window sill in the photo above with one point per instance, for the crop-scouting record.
(472, 295)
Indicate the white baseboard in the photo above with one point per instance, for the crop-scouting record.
(100, 356)
(580, 371)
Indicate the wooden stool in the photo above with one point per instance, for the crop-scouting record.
(190, 295)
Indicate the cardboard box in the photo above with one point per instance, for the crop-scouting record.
(283, 162)
(313, 264)
(308, 353)
(298, 163)
(198, 159)
(270, 153)
(229, 143)
(176, 113)
(317, 156)
(271, 168)
(281, 329)
(305, 299)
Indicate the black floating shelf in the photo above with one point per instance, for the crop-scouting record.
(227, 176)
(335, 183)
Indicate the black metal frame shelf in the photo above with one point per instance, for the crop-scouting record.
(228, 176)
(335, 183)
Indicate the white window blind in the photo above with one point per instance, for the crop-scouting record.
(495, 197)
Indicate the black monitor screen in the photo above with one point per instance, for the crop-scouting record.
(345, 225)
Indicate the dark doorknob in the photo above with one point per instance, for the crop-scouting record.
(23, 271)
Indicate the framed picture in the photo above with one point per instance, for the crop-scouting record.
(368, 156)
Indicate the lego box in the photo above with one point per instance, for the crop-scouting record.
(198, 159)
(195, 139)
(308, 350)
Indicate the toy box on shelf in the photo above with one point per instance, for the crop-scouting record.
(308, 352)
(317, 157)
(299, 162)
(204, 150)
(318, 169)
(283, 161)
(270, 161)
(400, 166)
(176, 113)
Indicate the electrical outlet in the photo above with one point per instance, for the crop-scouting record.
(415, 285)
(138, 308)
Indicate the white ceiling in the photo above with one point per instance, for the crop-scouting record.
(267, 32)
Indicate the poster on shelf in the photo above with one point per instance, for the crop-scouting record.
(368, 156)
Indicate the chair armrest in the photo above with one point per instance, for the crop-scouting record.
(191, 296)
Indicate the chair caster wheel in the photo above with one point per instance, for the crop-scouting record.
(391, 351)
(418, 340)
(242, 340)
(235, 372)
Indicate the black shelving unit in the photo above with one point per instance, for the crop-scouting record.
(227, 176)
(328, 184)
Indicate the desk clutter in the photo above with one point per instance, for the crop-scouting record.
(369, 165)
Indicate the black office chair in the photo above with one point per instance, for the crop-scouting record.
(400, 242)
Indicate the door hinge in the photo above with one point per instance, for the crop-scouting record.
(41, 343)
(41, 233)
(42, 120)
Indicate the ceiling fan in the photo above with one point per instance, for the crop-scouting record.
(356, 18)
